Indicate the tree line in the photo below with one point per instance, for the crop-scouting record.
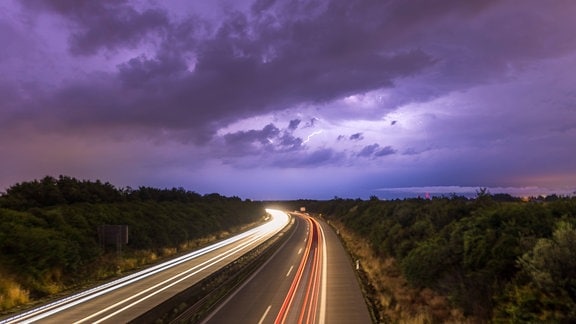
(496, 257)
(49, 238)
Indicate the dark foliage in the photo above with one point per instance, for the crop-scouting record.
(491, 255)
(48, 227)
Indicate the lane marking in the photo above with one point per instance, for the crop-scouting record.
(283, 313)
(231, 297)
(156, 288)
(68, 302)
(264, 316)
(291, 267)
(299, 251)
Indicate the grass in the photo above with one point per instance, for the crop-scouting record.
(109, 266)
(395, 300)
(11, 293)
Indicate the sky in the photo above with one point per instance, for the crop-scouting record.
(290, 99)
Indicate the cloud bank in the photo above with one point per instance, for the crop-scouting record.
(391, 93)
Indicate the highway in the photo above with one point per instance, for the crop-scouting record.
(310, 279)
(125, 299)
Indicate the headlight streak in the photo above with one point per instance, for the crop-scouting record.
(277, 222)
(156, 288)
(248, 281)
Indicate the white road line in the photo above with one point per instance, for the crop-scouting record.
(155, 289)
(231, 297)
(65, 303)
(291, 267)
(50, 309)
(299, 251)
(264, 316)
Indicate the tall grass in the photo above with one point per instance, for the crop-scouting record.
(108, 265)
(396, 301)
(11, 293)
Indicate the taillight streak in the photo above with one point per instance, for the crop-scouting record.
(312, 287)
(281, 318)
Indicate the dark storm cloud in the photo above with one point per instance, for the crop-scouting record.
(248, 137)
(387, 150)
(82, 81)
(290, 142)
(283, 54)
(105, 24)
(478, 42)
(248, 66)
(273, 147)
(368, 150)
(268, 139)
(311, 123)
(374, 150)
(294, 124)
(141, 72)
(356, 137)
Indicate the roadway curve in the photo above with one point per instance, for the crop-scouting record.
(127, 298)
(310, 279)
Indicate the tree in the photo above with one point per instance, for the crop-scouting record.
(544, 291)
(551, 264)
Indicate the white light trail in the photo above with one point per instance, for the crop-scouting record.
(278, 220)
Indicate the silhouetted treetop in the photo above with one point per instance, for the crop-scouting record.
(50, 191)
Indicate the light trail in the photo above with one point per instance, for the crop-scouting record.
(313, 286)
(309, 306)
(278, 221)
(322, 313)
(283, 313)
(165, 284)
(255, 274)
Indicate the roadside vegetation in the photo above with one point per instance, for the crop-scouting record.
(452, 259)
(494, 258)
(49, 239)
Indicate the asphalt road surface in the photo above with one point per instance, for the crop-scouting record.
(310, 279)
(127, 298)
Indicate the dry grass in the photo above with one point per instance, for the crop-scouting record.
(11, 293)
(110, 265)
(396, 301)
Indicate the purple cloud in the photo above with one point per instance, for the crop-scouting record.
(105, 24)
(356, 137)
(476, 91)
(316, 158)
(244, 138)
(368, 150)
(269, 139)
(294, 124)
(374, 150)
(387, 150)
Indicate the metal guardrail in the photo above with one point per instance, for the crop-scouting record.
(196, 302)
